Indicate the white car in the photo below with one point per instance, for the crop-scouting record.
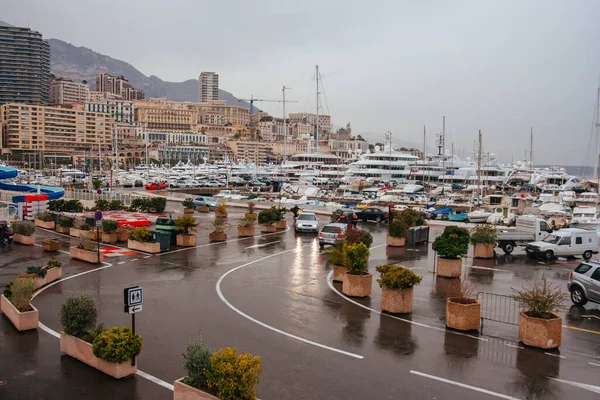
(307, 222)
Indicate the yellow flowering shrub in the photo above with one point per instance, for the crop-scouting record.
(232, 376)
(117, 344)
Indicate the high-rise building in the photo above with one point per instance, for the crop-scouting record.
(64, 91)
(208, 87)
(24, 66)
(118, 85)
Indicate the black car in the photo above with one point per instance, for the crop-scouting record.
(344, 215)
(372, 214)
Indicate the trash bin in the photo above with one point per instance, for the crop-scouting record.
(167, 225)
(163, 238)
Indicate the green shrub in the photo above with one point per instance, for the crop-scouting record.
(25, 228)
(56, 205)
(96, 184)
(117, 344)
(279, 213)
(101, 205)
(84, 226)
(186, 223)
(148, 204)
(247, 221)
(21, 294)
(78, 314)
(452, 243)
(221, 207)
(196, 362)
(219, 225)
(54, 263)
(484, 233)
(358, 258)
(268, 216)
(337, 255)
(141, 234)
(92, 333)
(188, 203)
(397, 228)
(66, 222)
(115, 205)
(73, 206)
(45, 216)
(109, 225)
(540, 300)
(397, 277)
(233, 376)
(355, 236)
(87, 244)
(37, 270)
(7, 292)
(410, 218)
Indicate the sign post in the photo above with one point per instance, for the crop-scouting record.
(132, 304)
(98, 217)
(391, 210)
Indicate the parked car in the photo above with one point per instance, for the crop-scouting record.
(306, 222)
(584, 283)
(214, 183)
(372, 214)
(565, 242)
(331, 232)
(344, 215)
(205, 201)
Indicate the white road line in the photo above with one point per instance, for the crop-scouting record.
(155, 380)
(488, 268)
(61, 251)
(463, 385)
(228, 304)
(263, 245)
(594, 364)
(555, 355)
(147, 257)
(514, 345)
(135, 259)
(122, 262)
(584, 386)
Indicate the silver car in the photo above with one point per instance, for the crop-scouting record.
(584, 283)
(331, 232)
(307, 222)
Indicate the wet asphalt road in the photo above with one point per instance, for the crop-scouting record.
(314, 343)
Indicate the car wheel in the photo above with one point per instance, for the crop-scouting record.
(508, 248)
(587, 255)
(577, 297)
(321, 245)
(378, 219)
(548, 255)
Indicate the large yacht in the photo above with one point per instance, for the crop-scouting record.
(314, 165)
(383, 165)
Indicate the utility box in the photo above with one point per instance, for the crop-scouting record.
(164, 238)
(167, 225)
(418, 235)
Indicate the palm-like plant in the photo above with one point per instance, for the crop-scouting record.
(186, 223)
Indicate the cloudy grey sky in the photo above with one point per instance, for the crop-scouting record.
(498, 66)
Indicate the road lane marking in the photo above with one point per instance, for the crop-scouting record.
(263, 245)
(135, 259)
(147, 257)
(155, 380)
(264, 325)
(487, 268)
(554, 355)
(514, 345)
(584, 386)
(122, 262)
(594, 364)
(464, 385)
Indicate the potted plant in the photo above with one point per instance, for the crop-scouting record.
(80, 228)
(539, 326)
(397, 284)
(141, 239)
(357, 280)
(224, 374)
(24, 231)
(44, 220)
(109, 351)
(123, 233)
(65, 224)
(251, 209)
(86, 250)
(50, 245)
(246, 225)
(109, 231)
(203, 209)
(221, 209)
(463, 312)
(451, 245)
(186, 224)
(355, 236)
(338, 259)
(15, 304)
(188, 206)
(218, 234)
(484, 238)
(396, 236)
(267, 219)
(279, 217)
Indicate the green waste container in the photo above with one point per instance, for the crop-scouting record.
(163, 238)
(167, 225)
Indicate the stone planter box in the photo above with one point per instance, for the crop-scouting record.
(281, 224)
(357, 285)
(148, 247)
(84, 255)
(268, 228)
(186, 240)
(26, 240)
(74, 232)
(397, 301)
(52, 274)
(63, 229)
(109, 237)
(483, 250)
(23, 321)
(188, 210)
(338, 273)
(245, 231)
(44, 224)
(221, 214)
(217, 237)
(449, 267)
(203, 209)
(82, 351)
(123, 236)
(93, 234)
(542, 333)
(463, 314)
(181, 391)
(395, 241)
(50, 245)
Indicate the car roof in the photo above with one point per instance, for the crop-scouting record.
(337, 225)
(308, 213)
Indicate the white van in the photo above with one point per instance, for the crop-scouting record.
(566, 242)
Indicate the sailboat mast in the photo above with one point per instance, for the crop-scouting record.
(317, 119)
(443, 150)
(531, 150)
(598, 138)
(479, 167)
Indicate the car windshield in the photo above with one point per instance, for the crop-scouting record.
(307, 217)
(331, 229)
(552, 239)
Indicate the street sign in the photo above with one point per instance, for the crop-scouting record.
(135, 309)
(98, 215)
(99, 191)
(134, 296)
(98, 223)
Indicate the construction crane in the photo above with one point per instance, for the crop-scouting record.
(251, 100)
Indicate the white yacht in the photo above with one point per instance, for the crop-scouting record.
(585, 215)
(587, 199)
(314, 164)
(383, 165)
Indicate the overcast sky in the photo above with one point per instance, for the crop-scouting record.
(498, 66)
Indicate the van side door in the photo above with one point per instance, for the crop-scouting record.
(594, 286)
(564, 248)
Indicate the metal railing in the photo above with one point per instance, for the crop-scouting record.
(86, 194)
(499, 308)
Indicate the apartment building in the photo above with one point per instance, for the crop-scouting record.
(252, 151)
(208, 87)
(118, 85)
(120, 110)
(174, 154)
(152, 116)
(311, 119)
(347, 149)
(54, 129)
(63, 91)
(158, 138)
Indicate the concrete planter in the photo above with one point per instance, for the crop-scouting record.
(181, 391)
(92, 234)
(122, 236)
(188, 210)
(449, 267)
(63, 229)
(84, 255)
(109, 237)
(82, 351)
(26, 240)
(463, 314)
(357, 285)
(542, 333)
(52, 274)
(186, 240)
(483, 250)
(50, 245)
(338, 273)
(245, 231)
(217, 237)
(395, 241)
(44, 224)
(23, 321)
(281, 224)
(221, 214)
(268, 228)
(147, 247)
(397, 301)
(74, 232)
(203, 209)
